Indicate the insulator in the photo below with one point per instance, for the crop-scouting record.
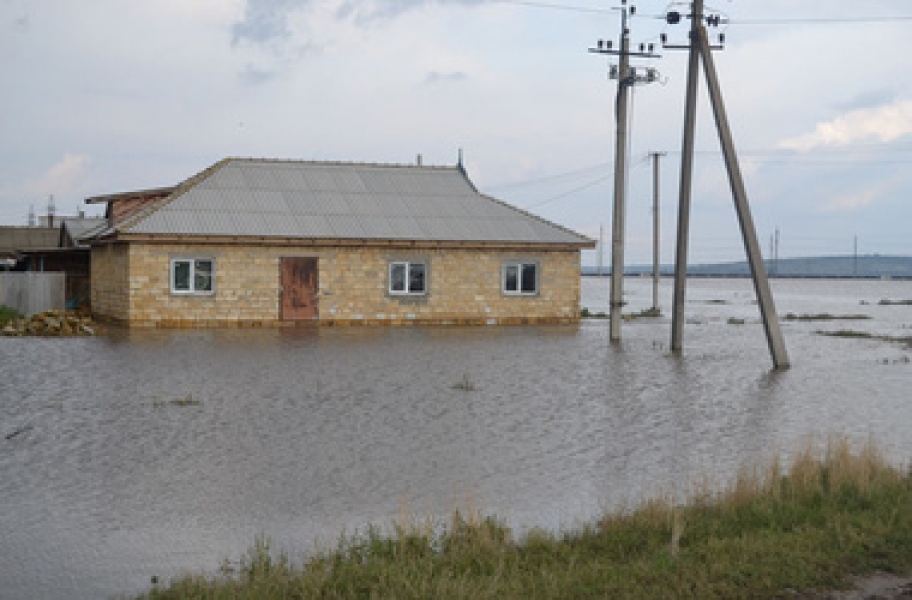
(601, 44)
(721, 38)
(651, 47)
(663, 38)
(633, 10)
(642, 47)
(673, 17)
(608, 44)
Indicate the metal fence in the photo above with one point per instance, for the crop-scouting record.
(31, 293)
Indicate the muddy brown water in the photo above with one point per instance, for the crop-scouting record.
(156, 452)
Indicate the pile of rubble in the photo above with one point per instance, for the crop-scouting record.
(50, 323)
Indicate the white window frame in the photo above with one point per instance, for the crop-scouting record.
(194, 263)
(519, 265)
(407, 290)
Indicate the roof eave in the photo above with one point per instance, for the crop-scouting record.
(314, 242)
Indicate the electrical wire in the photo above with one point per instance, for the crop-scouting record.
(564, 7)
(782, 21)
(568, 193)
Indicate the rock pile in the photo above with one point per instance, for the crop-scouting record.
(50, 323)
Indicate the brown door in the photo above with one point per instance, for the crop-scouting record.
(300, 283)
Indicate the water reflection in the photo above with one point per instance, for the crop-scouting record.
(305, 433)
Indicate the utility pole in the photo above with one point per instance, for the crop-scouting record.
(855, 260)
(626, 77)
(655, 229)
(700, 48)
(776, 264)
(601, 249)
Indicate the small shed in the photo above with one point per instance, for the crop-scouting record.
(255, 242)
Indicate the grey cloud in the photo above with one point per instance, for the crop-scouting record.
(254, 76)
(265, 20)
(437, 77)
(362, 11)
(21, 24)
(869, 99)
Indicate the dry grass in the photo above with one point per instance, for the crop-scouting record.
(833, 512)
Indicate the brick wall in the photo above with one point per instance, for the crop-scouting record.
(110, 278)
(464, 286)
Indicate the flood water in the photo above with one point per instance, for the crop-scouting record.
(153, 452)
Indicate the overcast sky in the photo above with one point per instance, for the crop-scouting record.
(101, 96)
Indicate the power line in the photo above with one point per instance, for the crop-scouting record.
(776, 21)
(563, 7)
(819, 21)
(565, 194)
(552, 177)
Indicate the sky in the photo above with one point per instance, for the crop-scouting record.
(103, 96)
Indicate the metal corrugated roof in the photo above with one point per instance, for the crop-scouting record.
(268, 198)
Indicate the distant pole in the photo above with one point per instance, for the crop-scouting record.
(626, 78)
(656, 275)
(601, 249)
(855, 260)
(776, 267)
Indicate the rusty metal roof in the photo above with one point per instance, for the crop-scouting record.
(289, 199)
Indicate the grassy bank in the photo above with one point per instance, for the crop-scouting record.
(766, 536)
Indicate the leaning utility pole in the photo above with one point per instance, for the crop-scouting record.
(700, 48)
(626, 77)
(655, 229)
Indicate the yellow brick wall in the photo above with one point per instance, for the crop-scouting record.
(464, 286)
(110, 277)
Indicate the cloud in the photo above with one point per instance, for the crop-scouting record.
(438, 77)
(885, 124)
(21, 24)
(252, 75)
(364, 11)
(851, 202)
(868, 99)
(66, 178)
(265, 21)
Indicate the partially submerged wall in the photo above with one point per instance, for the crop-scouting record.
(463, 286)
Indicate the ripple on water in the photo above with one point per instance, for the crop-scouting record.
(302, 434)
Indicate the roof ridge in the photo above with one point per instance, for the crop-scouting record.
(339, 163)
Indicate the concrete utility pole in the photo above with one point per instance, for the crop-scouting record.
(700, 48)
(656, 275)
(626, 77)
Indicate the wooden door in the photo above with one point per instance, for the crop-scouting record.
(300, 280)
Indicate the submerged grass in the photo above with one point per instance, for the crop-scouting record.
(768, 534)
(863, 335)
(825, 317)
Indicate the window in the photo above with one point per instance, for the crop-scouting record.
(407, 278)
(192, 275)
(520, 278)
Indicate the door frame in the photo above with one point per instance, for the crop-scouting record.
(283, 260)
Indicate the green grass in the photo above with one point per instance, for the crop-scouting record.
(7, 314)
(767, 534)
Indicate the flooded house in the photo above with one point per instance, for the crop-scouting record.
(256, 242)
